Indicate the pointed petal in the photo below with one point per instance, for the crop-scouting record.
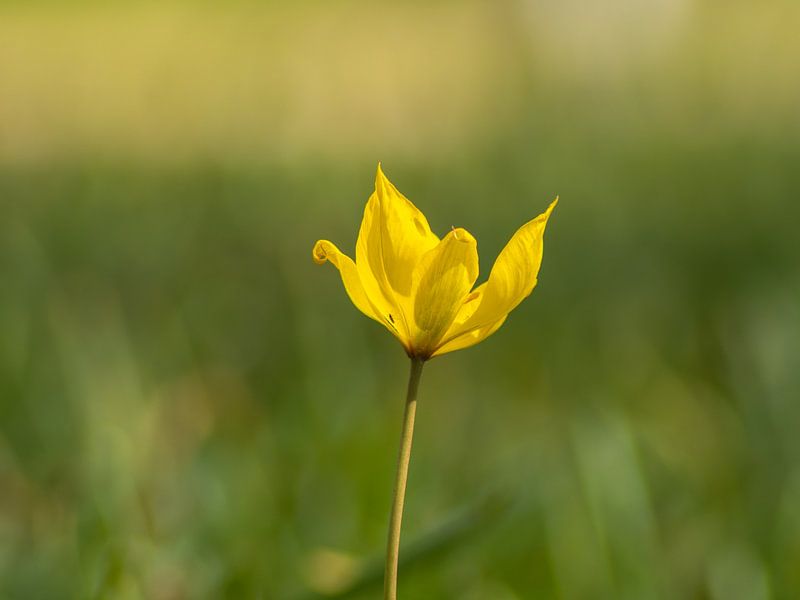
(405, 234)
(325, 251)
(393, 237)
(441, 281)
(369, 263)
(512, 278)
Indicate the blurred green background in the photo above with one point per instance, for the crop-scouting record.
(190, 408)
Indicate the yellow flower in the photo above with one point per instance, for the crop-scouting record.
(420, 287)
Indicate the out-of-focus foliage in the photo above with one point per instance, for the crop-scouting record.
(189, 408)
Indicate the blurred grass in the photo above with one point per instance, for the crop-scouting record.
(189, 408)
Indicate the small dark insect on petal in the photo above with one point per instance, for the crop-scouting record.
(391, 318)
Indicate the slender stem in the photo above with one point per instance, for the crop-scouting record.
(396, 519)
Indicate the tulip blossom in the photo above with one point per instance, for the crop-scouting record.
(420, 287)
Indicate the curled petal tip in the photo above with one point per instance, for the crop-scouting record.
(462, 235)
(320, 252)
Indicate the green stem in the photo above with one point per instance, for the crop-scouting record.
(396, 519)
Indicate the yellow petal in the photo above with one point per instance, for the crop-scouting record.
(511, 280)
(470, 338)
(467, 309)
(393, 237)
(441, 281)
(325, 251)
(405, 234)
(455, 339)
